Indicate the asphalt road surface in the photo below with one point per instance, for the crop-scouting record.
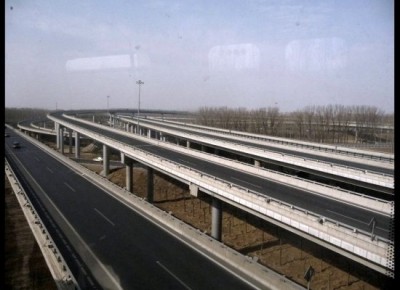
(129, 252)
(351, 215)
(287, 150)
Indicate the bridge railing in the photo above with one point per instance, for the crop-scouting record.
(359, 243)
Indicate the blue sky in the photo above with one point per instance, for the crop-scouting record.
(191, 54)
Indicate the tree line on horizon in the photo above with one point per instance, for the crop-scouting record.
(328, 124)
(325, 124)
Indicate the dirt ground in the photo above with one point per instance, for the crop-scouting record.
(275, 248)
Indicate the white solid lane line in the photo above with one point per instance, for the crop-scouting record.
(69, 186)
(173, 275)
(185, 161)
(107, 219)
(246, 182)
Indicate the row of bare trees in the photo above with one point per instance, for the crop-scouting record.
(15, 115)
(328, 124)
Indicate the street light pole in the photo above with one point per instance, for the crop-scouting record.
(139, 82)
(107, 104)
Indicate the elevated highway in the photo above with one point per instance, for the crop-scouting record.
(352, 230)
(118, 234)
(373, 171)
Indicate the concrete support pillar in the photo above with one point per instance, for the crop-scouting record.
(70, 140)
(57, 127)
(160, 136)
(77, 145)
(149, 133)
(257, 163)
(61, 139)
(150, 184)
(106, 160)
(94, 119)
(216, 216)
(129, 174)
(187, 143)
(177, 141)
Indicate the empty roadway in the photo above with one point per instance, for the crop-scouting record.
(347, 214)
(291, 150)
(136, 253)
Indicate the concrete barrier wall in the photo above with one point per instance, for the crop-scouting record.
(334, 169)
(59, 270)
(340, 236)
(338, 152)
(236, 262)
(284, 140)
(381, 206)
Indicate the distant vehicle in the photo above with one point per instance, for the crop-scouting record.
(98, 159)
(16, 144)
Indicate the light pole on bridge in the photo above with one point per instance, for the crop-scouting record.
(139, 82)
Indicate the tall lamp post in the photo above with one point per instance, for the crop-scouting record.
(107, 104)
(139, 82)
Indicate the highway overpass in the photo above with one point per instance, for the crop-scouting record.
(260, 196)
(368, 170)
(321, 219)
(118, 241)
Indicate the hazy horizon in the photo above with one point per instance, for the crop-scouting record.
(192, 54)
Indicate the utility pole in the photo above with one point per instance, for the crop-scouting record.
(139, 82)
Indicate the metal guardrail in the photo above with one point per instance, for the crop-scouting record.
(250, 267)
(265, 173)
(299, 161)
(59, 269)
(297, 144)
(232, 185)
(189, 175)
